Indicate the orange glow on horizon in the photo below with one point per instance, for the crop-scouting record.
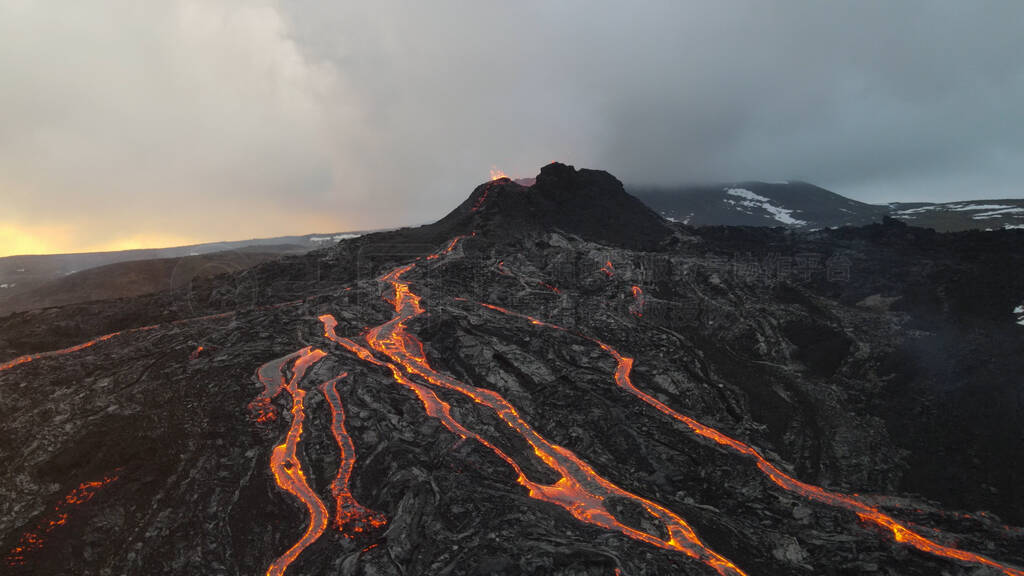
(76, 238)
(20, 240)
(16, 240)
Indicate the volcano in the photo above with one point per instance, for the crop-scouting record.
(549, 380)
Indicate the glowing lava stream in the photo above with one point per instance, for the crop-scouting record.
(581, 490)
(32, 357)
(349, 516)
(32, 541)
(608, 269)
(901, 532)
(284, 462)
(637, 308)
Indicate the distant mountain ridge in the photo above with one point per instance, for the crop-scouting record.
(22, 274)
(956, 216)
(805, 206)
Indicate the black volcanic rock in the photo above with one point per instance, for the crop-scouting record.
(591, 204)
(881, 361)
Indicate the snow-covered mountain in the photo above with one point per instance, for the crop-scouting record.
(974, 214)
(806, 206)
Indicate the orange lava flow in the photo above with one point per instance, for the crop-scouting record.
(637, 308)
(581, 490)
(34, 540)
(33, 357)
(479, 202)
(284, 461)
(497, 174)
(901, 532)
(350, 517)
(608, 269)
(550, 287)
(455, 242)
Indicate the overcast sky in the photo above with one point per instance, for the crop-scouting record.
(131, 124)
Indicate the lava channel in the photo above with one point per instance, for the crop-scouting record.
(637, 308)
(581, 490)
(350, 517)
(284, 461)
(33, 357)
(901, 532)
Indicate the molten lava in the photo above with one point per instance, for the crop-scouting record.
(33, 357)
(34, 540)
(580, 490)
(608, 269)
(350, 517)
(637, 307)
(900, 532)
(497, 174)
(547, 286)
(482, 198)
(284, 461)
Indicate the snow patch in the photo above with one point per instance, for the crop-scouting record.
(961, 207)
(916, 210)
(752, 200)
(677, 220)
(998, 213)
(335, 238)
(743, 193)
(972, 207)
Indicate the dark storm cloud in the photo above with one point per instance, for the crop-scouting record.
(885, 100)
(198, 120)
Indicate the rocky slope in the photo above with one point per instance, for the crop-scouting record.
(549, 380)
